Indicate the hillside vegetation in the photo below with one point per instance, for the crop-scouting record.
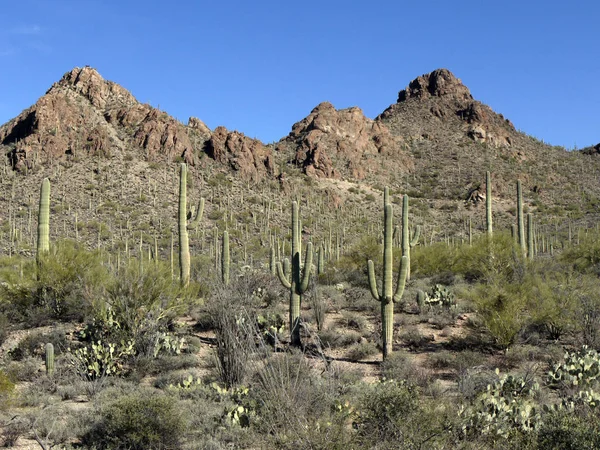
(359, 284)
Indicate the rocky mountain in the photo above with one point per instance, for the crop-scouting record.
(85, 115)
(435, 143)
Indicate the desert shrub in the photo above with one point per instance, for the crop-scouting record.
(587, 315)
(473, 382)
(490, 259)
(355, 321)
(502, 307)
(564, 430)
(362, 350)
(394, 415)
(586, 255)
(400, 366)
(431, 260)
(235, 330)
(134, 317)
(3, 327)
(317, 305)
(7, 388)
(414, 338)
(556, 296)
(24, 370)
(332, 337)
(294, 408)
(33, 345)
(137, 421)
(68, 280)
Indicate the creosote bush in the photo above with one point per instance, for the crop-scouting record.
(67, 282)
(137, 421)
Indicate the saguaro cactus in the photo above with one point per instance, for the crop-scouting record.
(298, 282)
(520, 221)
(488, 203)
(225, 259)
(49, 359)
(43, 236)
(184, 243)
(530, 245)
(388, 296)
(407, 241)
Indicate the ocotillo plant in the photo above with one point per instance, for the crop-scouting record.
(43, 237)
(388, 296)
(49, 359)
(298, 283)
(407, 241)
(520, 221)
(225, 259)
(488, 203)
(184, 243)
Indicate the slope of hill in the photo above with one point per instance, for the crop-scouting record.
(101, 147)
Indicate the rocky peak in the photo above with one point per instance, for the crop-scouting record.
(437, 97)
(196, 124)
(439, 83)
(249, 157)
(330, 143)
(89, 83)
(84, 114)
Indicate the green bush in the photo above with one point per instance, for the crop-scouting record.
(502, 307)
(564, 430)
(68, 279)
(137, 422)
(392, 414)
(7, 388)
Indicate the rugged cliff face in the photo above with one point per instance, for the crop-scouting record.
(332, 143)
(445, 98)
(85, 115)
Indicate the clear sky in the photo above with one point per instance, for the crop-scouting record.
(259, 66)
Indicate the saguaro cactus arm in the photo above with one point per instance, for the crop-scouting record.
(402, 274)
(282, 277)
(199, 212)
(416, 235)
(373, 280)
(307, 269)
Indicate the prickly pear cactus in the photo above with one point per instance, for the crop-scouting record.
(579, 368)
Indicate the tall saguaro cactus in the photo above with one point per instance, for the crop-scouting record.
(43, 236)
(488, 203)
(408, 242)
(520, 221)
(388, 297)
(298, 282)
(225, 259)
(49, 359)
(184, 243)
(530, 245)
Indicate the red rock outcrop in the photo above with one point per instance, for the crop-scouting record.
(84, 114)
(245, 155)
(331, 143)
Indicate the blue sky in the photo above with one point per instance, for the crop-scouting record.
(259, 66)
